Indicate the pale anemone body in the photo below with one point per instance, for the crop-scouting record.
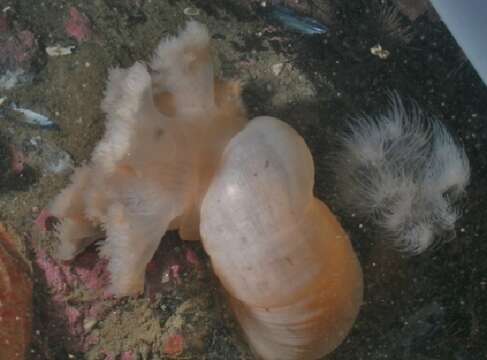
(289, 268)
(164, 136)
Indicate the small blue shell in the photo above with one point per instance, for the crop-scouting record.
(32, 118)
(292, 20)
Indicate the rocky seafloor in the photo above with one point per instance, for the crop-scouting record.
(54, 57)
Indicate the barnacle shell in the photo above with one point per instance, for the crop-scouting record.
(292, 276)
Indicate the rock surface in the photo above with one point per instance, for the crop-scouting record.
(15, 300)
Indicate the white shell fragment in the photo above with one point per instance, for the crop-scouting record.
(277, 68)
(380, 52)
(58, 50)
(191, 11)
(11, 78)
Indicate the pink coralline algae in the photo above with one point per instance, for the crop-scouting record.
(175, 272)
(191, 257)
(3, 23)
(58, 276)
(17, 53)
(16, 50)
(92, 271)
(87, 274)
(169, 267)
(74, 320)
(88, 270)
(174, 345)
(25, 42)
(42, 221)
(79, 299)
(128, 355)
(17, 159)
(78, 25)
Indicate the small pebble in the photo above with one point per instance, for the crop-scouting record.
(191, 11)
(277, 68)
(378, 51)
(88, 324)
